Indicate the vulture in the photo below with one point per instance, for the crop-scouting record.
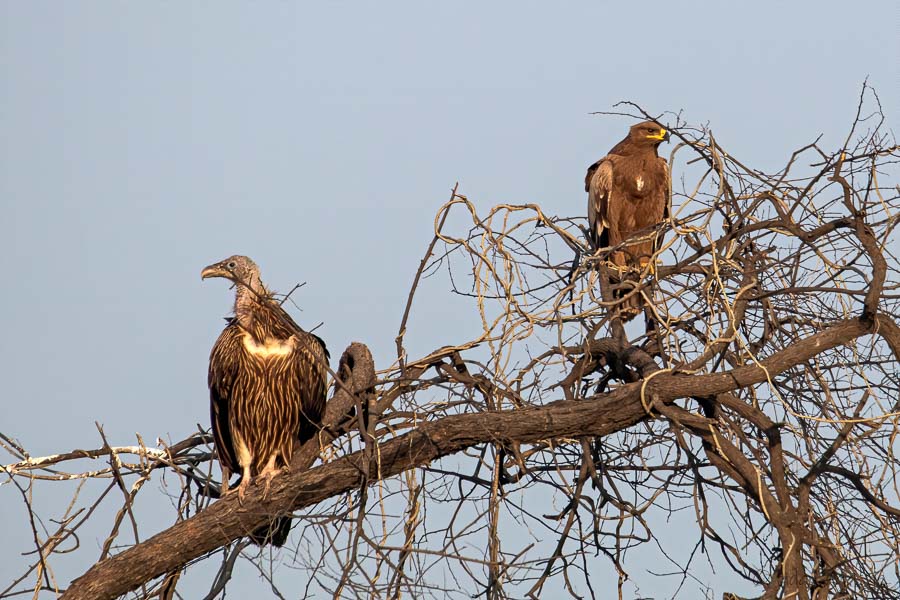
(267, 381)
(628, 194)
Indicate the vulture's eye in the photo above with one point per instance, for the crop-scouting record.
(231, 265)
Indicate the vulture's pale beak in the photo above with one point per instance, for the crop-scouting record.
(215, 270)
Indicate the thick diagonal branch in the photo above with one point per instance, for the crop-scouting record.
(228, 519)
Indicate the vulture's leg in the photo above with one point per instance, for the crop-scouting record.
(226, 475)
(268, 473)
(245, 483)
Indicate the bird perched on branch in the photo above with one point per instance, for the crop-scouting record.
(628, 195)
(267, 381)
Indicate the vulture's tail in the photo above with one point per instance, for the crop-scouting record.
(275, 533)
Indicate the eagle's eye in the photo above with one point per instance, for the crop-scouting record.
(231, 265)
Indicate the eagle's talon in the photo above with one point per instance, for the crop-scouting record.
(629, 312)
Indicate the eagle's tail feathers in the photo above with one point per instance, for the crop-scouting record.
(633, 305)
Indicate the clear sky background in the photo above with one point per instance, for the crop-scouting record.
(141, 141)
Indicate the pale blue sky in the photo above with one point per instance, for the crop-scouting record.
(142, 141)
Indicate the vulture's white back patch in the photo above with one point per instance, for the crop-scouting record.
(640, 183)
(271, 348)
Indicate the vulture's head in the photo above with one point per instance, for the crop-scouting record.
(649, 133)
(239, 269)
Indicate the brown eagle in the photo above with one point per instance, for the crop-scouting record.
(267, 381)
(628, 194)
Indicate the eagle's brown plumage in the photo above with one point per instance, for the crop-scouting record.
(267, 380)
(628, 194)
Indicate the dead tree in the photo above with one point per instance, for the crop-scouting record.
(542, 452)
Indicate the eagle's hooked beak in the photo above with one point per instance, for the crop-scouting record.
(662, 136)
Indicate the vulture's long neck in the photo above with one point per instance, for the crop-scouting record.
(247, 302)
